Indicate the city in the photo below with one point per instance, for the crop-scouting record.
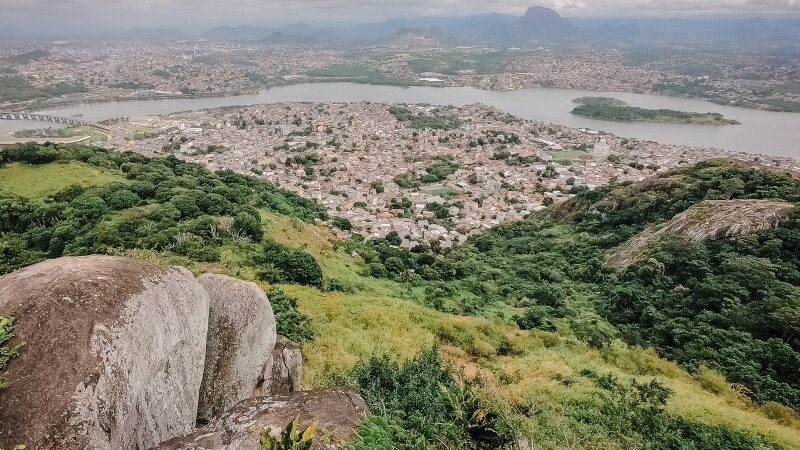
(348, 157)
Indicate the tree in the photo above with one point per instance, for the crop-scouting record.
(122, 199)
(248, 225)
(393, 238)
(342, 223)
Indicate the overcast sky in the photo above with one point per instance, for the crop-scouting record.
(106, 13)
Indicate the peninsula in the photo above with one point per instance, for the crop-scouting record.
(609, 108)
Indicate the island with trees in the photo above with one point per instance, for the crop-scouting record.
(609, 108)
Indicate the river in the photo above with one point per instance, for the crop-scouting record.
(765, 132)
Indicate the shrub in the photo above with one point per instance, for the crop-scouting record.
(248, 225)
(122, 199)
(781, 414)
(342, 223)
(291, 323)
(421, 402)
(385, 433)
(634, 414)
(284, 265)
(6, 352)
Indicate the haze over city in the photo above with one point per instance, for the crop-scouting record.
(192, 15)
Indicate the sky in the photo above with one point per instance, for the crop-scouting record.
(108, 14)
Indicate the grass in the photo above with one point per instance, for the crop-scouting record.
(42, 180)
(568, 155)
(444, 191)
(534, 375)
(540, 374)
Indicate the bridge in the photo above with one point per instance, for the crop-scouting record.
(4, 115)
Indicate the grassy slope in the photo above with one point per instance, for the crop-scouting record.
(39, 181)
(532, 375)
(540, 373)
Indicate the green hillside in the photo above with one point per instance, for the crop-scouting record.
(522, 333)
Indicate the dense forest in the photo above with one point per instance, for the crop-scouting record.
(729, 305)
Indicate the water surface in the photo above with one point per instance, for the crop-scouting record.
(772, 133)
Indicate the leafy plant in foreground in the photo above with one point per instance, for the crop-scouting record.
(291, 437)
(6, 352)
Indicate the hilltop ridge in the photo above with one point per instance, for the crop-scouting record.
(709, 219)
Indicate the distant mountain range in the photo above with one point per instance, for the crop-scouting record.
(539, 26)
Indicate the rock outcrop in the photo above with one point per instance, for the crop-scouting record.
(707, 220)
(336, 412)
(286, 372)
(112, 353)
(241, 338)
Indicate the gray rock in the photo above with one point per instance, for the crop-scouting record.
(286, 372)
(706, 220)
(241, 338)
(112, 353)
(337, 413)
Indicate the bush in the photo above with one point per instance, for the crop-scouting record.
(283, 265)
(342, 223)
(634, 414)
(122, 199)
(302, 268)
(248, 225)
(291, 323)
(420, 402)
(30, 153)
(6, 352)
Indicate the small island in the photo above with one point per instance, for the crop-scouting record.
(609, 108)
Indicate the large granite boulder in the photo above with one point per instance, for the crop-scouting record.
(285, 374)
(337, 413)
(112, 353)
(241, 338)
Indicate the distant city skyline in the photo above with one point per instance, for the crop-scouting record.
(106, 15)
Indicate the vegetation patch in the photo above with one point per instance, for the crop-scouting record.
(6, 352)
(162, 204)
(569, 155)
(424, 120)
(48, 132)
(15, 88)
(607, 108)
(36, 181)
(356, 73)
(700, 303)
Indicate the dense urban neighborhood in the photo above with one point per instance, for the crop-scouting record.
(428, 173)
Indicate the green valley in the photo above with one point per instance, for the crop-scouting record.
(521, 336)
